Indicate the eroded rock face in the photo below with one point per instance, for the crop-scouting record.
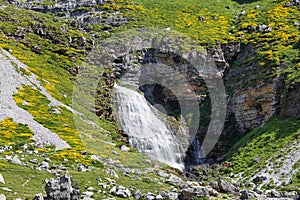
(254, 105)
(255, 97)
(290, 104)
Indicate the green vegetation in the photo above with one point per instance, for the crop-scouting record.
(264, 145)
(14, 134)
(53, 48)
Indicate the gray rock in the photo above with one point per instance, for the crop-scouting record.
(124, 148)
(174, 180)
(2, 197)
(112, 173)
(39, 197)
(158, 197)
(91, 189)
(214, 185)
(6, 189)
(245, 194)
(274, 193)
(34, 161)
(171, 195)
(61, 188)
(149, 196)
(121, 193)
(194, 193)
(162, 174)
(227, 187)
(16, 160)
(113, 190)
(88, 194)
(2, 179)
(137, 194)
(44, 165)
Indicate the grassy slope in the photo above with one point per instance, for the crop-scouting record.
(265, 144)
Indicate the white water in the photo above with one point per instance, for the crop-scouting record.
(148, 129)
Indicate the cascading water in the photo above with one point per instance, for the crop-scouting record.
(148, 128)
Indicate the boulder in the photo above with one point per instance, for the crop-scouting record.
(16, 160)
(214, 185)
(193, 193)
(2, 179)
(245, 194)
(137, 194)
(39, 197)
(274, 193)
(2, 197)
(44, 165)
(61, 188)
(227, 187)
(124, 148)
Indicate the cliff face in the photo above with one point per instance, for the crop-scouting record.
(254, 95)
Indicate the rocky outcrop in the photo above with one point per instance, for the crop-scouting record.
(60, 188)
(84, 13)
(290, 102)
(254, 98)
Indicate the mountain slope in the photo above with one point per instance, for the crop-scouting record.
(254, 43)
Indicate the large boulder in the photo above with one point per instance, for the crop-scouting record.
(193, 193)
(60, 188)
(225, 186)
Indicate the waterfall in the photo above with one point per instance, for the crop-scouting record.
(148, 129)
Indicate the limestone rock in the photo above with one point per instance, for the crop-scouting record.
(39, 197)
(2, 197)
(2, 179)
(61, 188)
(227, 187)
